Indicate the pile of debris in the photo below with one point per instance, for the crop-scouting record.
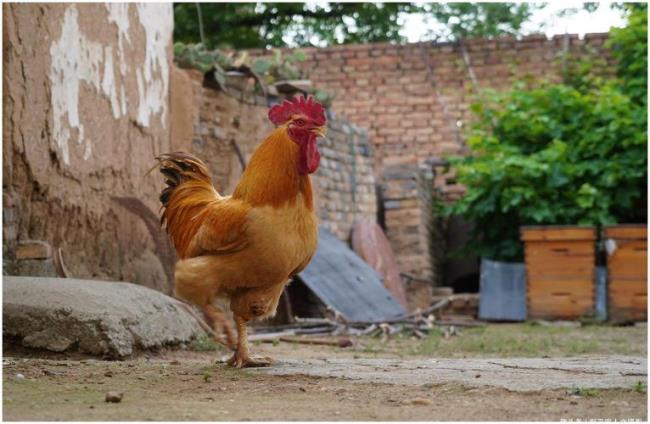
(418, 324)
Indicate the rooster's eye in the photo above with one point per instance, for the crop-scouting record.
(299, 122)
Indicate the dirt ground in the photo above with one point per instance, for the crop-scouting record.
(194, 386)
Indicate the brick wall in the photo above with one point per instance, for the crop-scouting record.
(414, 100)
(391, 89)
(407, 215)
(209, 123)
(344, 183)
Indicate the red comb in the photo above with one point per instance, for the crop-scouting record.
(281, 113)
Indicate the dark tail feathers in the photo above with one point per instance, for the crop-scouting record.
(178, 167)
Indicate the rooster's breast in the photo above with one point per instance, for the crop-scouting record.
(283, 238)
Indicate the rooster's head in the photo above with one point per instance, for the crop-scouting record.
(304, 120)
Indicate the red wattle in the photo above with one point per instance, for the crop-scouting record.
(309, 156)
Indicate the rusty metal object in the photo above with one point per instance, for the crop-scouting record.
(370, 242)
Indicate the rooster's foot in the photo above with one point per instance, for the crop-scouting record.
(242, 361)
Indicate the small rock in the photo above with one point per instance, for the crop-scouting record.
(417, 401)
(20, 377)
(114, 397)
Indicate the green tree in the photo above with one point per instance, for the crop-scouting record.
(484, 20)
(569, 153)
(251, 25)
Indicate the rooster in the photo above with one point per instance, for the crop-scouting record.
(246, 247)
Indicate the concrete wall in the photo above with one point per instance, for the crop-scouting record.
(86, 108)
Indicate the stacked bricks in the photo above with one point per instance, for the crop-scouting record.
(216, 125)
(406, 192)
(344, 183)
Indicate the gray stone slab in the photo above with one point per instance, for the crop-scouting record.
(96, 317)
(516, 374)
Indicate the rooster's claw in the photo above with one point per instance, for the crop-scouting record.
(238, 361)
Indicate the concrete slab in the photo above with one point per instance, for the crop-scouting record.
(515, 374)
(105, 318)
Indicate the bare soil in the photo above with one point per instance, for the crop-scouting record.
(194, 386)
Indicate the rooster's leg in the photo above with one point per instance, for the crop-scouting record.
(220, 324)
(241, 357)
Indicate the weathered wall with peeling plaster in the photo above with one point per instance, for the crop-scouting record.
(86, 108)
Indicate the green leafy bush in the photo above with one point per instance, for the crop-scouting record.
(571, 153)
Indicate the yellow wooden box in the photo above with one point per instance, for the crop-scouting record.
(627, 272)
(560, 271)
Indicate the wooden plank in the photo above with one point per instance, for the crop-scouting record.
(562, 246)
(632, 302)
(557, 233)
(559, 258)
(558, 301)
(561, 285)
(561, 308)
(560, 298)
(625, 287)
(629, 247)
(632, 268)
(629, 231)
(560, 271)
(635, 308)
(628, 300)
(565, 302)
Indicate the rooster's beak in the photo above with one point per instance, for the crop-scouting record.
(320, 131)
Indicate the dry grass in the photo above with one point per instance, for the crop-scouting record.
(517, 340)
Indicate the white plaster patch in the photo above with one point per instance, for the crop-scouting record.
(75, 60)
(118, 13)
(158, 24)
(108, 82)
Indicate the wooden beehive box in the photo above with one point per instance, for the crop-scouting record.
(627, 272)
(560, 271)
